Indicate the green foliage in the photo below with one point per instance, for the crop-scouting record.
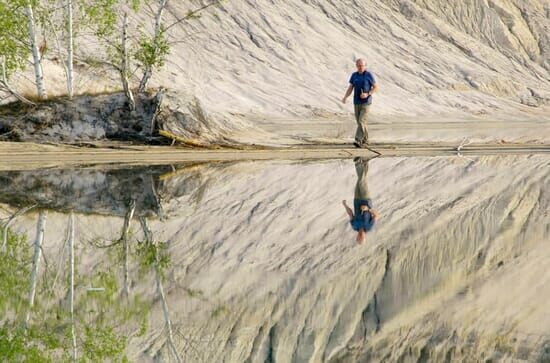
(14, 273)
(98, 315)
(101, 343)
(153, 255)
(102, 16)
(14, 36)
(152, 52)
(103, 301)
(18, 345)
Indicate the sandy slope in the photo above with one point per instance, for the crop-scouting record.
(455, 267)
(475, 60)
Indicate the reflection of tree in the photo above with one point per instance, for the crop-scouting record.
(71, 315)
(43, 323)
(107, 190)
(10, 220)
(154, 255)
(36, 260)
(182, 343)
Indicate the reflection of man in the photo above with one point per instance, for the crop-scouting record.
(363, 85)
(363, 216)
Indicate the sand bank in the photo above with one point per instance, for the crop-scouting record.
(15, 156)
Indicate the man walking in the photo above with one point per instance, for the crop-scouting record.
(363, 85)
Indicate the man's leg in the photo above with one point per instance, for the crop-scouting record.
(362, 123)
(359, 132)
(362, 188)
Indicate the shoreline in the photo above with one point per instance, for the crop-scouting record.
(18, 156)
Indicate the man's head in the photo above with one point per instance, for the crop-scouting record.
(361, 65)
(361, 236)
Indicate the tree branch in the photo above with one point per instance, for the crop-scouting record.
(191, 13)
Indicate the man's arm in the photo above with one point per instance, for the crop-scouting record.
(374, 88)
(375, 214)
(348, 209)
(348, 92)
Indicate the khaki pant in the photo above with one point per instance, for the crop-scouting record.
(361, 116)
(362, 188)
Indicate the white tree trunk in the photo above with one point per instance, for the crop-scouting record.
(41, 225)
(70, 50)
(124, 237)
(125, 67)
(147, 73)
(37, 61)
(71, 281)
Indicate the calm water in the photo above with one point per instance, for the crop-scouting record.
(258, 262)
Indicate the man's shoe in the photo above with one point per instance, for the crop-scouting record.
(357, 144)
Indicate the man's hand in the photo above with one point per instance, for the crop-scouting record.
(348, 209)
(364, 95)
(348, 93)
(375, 214)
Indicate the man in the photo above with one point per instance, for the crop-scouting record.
(363, 85)
(363, 216)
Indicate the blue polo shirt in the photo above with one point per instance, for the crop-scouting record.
(362, 82)
(362, 220)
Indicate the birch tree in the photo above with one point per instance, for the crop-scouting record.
(110, 22)
(14, 46)
(70, 47)
(36, 56)
(124, 68)
(152, 50)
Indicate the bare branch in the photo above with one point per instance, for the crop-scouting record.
(4, 83)
(192, 13)
(11, 219)
(58, 44)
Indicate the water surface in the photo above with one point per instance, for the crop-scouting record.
(257, 261)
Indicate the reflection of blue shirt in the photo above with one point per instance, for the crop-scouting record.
(361, 82)
(362, 220)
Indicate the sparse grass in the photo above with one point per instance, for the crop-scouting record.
(219, 311)
(194, 293)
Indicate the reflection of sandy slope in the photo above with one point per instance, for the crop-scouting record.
(265, 267)
(271, 270)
